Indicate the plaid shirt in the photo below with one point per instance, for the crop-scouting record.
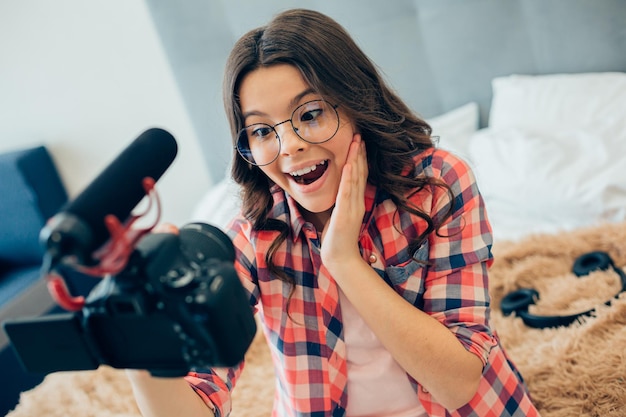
(450, 284)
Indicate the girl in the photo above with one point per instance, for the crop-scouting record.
(364, 248)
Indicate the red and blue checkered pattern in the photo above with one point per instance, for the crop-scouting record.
(446, 277)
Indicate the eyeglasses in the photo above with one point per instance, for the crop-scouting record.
(315, 121)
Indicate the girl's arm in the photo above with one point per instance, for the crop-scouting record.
(161, 397)
(425, 348)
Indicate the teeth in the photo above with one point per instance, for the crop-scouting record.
(306, 170)
(303, 171)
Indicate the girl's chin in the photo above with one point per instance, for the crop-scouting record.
(320, 201)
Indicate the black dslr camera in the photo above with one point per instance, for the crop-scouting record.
(168, 302)
(177, 305)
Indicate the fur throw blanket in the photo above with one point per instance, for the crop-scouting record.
(579, 370)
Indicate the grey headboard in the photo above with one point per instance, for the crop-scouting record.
(438, 54)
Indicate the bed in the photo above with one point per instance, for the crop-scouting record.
(533, 95)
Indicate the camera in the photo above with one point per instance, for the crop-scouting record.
(177, 305)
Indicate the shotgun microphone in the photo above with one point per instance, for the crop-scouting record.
(79, 228)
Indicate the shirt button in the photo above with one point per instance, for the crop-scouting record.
(372, 259)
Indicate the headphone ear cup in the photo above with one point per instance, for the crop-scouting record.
(519, 300)
(592, 261)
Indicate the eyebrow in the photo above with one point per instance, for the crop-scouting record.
(295, 100)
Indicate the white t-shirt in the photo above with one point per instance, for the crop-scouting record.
(377, 385)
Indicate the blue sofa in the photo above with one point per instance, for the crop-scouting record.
(31, 191)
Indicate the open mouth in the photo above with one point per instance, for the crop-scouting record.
(310, 174)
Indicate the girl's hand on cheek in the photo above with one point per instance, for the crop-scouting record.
(341, 234)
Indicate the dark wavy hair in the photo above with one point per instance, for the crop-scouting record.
(334, 66)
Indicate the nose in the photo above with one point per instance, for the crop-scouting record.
(290, 141)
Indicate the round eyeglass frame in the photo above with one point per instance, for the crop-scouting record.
(273, 128)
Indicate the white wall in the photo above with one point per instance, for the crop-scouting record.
(85, 78)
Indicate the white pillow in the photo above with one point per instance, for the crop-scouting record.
(544, 182)
(455, 127)
(547, 103)
(219, 205)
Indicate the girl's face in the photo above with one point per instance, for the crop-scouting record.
(269, 95)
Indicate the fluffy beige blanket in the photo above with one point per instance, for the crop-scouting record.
(572, 371)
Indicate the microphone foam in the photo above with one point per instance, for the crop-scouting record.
(118, 189)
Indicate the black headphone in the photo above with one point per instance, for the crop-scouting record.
(518, 301)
